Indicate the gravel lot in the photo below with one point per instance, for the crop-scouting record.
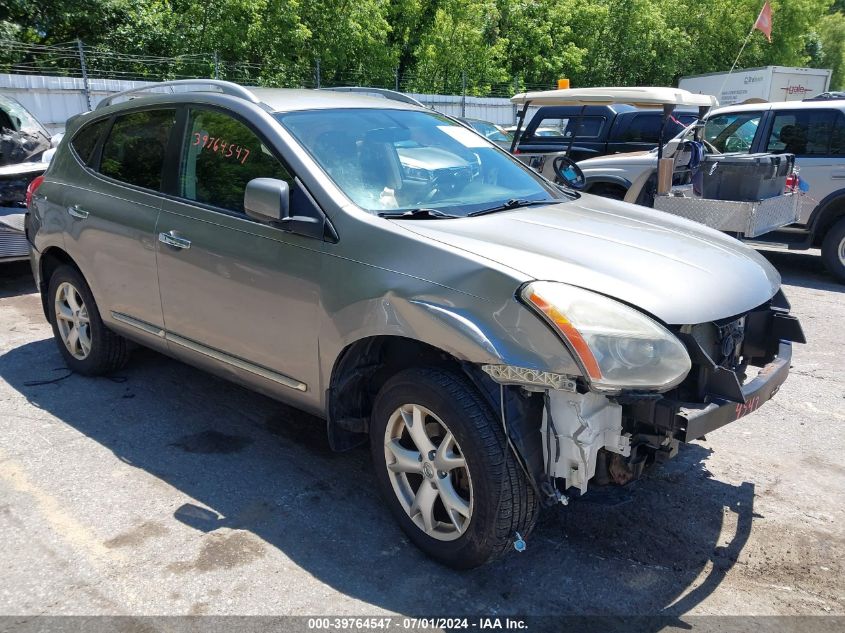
(164, 490)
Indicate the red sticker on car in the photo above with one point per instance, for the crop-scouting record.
(749, 407)
(221, 147)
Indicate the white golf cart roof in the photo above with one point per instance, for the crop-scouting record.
(641, 97)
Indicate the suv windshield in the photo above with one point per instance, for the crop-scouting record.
(395, 160)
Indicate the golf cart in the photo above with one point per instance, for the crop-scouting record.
(741, 194)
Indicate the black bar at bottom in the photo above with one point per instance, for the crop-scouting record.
(698, 420)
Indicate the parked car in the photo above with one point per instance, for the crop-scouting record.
(498, 346)
(601, 130)
(490, 131)
(540, 131)
(25, 150)
(814, 131)
(827, 96)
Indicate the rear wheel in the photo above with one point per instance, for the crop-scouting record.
(446, 470)
(833, 250)
(86, 344)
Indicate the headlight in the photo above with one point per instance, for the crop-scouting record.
(617, 346)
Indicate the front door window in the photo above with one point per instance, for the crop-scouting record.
(732, 132)
(221, 156)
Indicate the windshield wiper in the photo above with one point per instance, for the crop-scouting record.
(513, 203)
(416, 214)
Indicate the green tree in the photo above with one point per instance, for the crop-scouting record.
(409, 20)
(641, 44)
(350, 37)
(549, 39)
(59, 21)
(463, 39)
(832, 37)
(263, 37)
(432, 43)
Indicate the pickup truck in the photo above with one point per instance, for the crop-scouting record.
(601, 130)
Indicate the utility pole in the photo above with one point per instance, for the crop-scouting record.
(86, 89)
(317, 74)
(396, 78)
(463, 93)
(216, 65)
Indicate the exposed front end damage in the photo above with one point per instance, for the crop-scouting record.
(574, 437)
(575, 428)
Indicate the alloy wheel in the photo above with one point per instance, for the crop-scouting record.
(73, 321)
(428, 472)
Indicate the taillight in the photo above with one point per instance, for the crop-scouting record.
(32, 188)
(791, 182)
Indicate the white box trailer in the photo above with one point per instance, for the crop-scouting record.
(768, 83)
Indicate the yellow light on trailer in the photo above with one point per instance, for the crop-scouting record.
(562, 84)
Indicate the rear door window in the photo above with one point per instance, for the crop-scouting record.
(220, 156)
(807, 133)
(732, 132)
(135, 148)
(85, 140)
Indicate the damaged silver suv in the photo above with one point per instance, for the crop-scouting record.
(500, 341)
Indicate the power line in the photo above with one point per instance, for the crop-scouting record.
(102, 63)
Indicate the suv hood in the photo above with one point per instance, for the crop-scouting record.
(677, 270)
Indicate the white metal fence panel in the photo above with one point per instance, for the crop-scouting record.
(493, 109)
(53, 100)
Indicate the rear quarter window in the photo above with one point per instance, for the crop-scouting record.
(135, 148)
(85, 140)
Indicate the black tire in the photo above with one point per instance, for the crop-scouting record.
(831, 248)
(614, 192)
(504, 501)
(108, 351)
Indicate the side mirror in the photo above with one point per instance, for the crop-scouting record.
(267, 199)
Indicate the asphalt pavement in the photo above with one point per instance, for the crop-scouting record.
(164, 490)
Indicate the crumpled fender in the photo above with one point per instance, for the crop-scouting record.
(469, 329)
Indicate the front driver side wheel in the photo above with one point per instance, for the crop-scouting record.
(86, 344)
(445, 469)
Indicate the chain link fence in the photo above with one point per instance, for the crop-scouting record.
(101, 71)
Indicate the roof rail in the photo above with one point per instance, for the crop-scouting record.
(384, 92)
(225, 87)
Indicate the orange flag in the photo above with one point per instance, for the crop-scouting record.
(764, 21)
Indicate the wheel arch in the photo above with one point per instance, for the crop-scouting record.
(49, 261)
(828, 212)
(362, 368)
(609, 179)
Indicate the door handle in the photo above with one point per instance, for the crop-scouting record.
(174, 240)
(77, 212)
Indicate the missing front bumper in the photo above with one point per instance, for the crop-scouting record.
(576, 427)
(693, 421)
